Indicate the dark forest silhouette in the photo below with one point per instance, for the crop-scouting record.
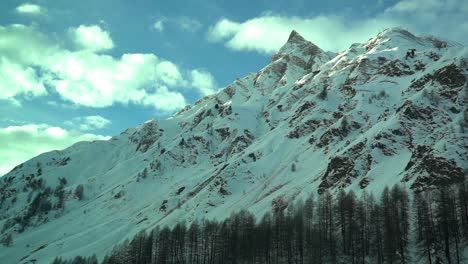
(340, 228)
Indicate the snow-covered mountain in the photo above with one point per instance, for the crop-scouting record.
(310, 121)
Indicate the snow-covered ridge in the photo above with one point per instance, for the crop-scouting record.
(309, 121)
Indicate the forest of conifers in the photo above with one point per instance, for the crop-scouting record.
(428, 227)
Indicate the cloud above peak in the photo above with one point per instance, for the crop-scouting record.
(256, 34)
(334, 32)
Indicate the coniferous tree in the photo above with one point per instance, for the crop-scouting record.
(193, 242)
(377, 233)
(332, 229)
(463, 206)
(389, 245)
(400, 204)
(309, 228)
(443, 220)
(424, 225)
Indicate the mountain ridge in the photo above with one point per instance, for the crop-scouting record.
(307, 122)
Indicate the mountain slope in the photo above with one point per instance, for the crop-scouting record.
(310, 121)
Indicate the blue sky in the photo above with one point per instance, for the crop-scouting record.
(82, 70)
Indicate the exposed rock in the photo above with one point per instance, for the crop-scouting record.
(384, 148)
(364, 183)
(339, 169)
(146, 136)
(303, 129)
(395, 68)
(301, 111)
(223, 132)
(63, 161)
(180, 190)
(163, 206)
(451, 77)
(413, 112)
(223, 191)
(431, 171)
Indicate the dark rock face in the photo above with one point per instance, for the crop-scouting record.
(385, 143)
(163, 206)
(384, 148)
(432, 170)
(450, 77)
(223, 132)
(303, 129)
(338, 169)
(335, 133)
(419, 84)
(364, 182)
(395, 68)
(63, 161)
(239, 144)
(146, 136)
(413, 112)
(329, 135)
(302, 111)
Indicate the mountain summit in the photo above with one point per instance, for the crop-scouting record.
(296, 43)
(308, 122)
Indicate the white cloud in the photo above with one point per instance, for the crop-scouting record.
(169, 73)
(203, 81)
(29, 9)
(20, 143)
(100, 80)
(84, 77)
(267, 33)
(164, 99)
(18, 80)
(92, 38)
(189, 24)
(432, 17)
(22, 44)
(86, 123)
(327, 32)
(158, 26)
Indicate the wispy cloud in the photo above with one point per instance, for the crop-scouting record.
(87, 123)
(29, 9)
(189, 24)
(158, 26)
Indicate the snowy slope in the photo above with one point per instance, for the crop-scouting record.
(310, 121)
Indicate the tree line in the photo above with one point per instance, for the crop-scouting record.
(343, 228)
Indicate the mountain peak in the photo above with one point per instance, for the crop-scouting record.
(297, 43)
(295, 37)
(305, 123)
(402, 38)
(399, 32)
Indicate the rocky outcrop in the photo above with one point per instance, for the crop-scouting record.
(429, 170)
